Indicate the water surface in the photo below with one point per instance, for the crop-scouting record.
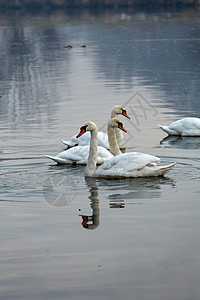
(65, 237)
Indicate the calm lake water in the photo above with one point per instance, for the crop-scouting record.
(142, 241)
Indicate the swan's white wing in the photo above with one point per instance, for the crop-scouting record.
(132, 164)
(187, 126)
(103, 140)
(79, 155)
(103, 155)
(81, 141)
(85, 140)
(130, 161)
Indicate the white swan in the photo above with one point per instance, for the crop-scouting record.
(79, 155)
(184, 127)
(102, 137)
(133, 164)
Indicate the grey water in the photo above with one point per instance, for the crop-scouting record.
(66, 237)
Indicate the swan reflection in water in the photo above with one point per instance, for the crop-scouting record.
(128, 191)
(181, 142)
(92, 222)
(121, 192)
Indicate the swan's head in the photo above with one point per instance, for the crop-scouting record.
(89, 222)
(116, 123)
(88, 126)
(119, 110)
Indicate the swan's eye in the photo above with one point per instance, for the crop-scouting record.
(119, 124)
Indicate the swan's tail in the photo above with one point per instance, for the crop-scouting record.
(161, 170)
(168, 167)
(164, 128)
(57, 159)
(168, 130)
(69, 143)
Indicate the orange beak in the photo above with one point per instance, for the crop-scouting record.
(82, 131)
(85, 220)
(125, 114)
(120, 126)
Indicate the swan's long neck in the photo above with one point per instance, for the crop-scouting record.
(118, 132)
(120, 138)
(114, 148)
(92, 159)
(113, 114)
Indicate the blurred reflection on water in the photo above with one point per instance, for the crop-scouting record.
(181, 142)
(141, 188)
(127, 191)
(158, 52)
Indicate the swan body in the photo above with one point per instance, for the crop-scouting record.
(102, 137)
(85, 140)
(133, 164)
(183, 127)
(79, 155)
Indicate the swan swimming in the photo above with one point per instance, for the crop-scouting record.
(184, 127)
(102, 136)
(79, 154)
(133, 164)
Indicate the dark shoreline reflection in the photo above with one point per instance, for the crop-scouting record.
(34, 62)
(178, 142)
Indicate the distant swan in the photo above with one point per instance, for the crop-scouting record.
(133, 164)
(102, 137)
(183, 127)
(79, 155)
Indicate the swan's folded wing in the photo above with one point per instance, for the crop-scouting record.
(81, 141)
(85, 140)
(129, 161)
(103, 155)
(103, 140)
(79, 155)
(191, 127)
(132, 165)
(186, 126)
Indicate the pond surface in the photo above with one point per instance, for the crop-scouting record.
(142, 238)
